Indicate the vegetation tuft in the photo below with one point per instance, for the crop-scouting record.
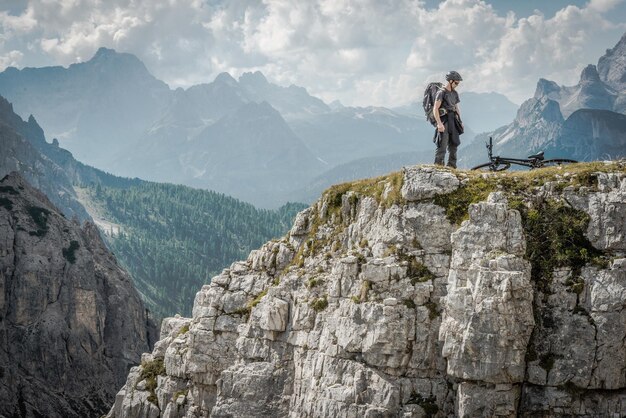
(433, 310)
(409, 303)
(9, 190)
(40, 218)
(429, 405)
(70, 252)
(257, 299)
(183, 330)
(416, 271)
(555, 237)
(456, 203)
(386, 190)
(6, 203)
(319, 304)
(149, 372)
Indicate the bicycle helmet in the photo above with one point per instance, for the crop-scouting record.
(453, 76)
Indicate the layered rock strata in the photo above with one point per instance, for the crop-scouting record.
(71, 322)
(380, 302)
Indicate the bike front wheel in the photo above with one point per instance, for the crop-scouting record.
(492, 167)
(557, 162)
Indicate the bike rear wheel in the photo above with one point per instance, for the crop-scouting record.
(492, 167)
(557, 162)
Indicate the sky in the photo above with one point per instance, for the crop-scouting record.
(361, 52)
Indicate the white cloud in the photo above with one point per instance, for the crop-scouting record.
(604, 5)
(359, 51)
(15, 25)
(10, 59)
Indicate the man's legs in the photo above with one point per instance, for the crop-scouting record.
(452, 155)
(440, 153)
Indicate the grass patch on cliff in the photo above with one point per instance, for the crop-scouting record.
(326, 221)
(246, 310)
(386, 190)
(9, 190)
(149, 372)
(69, 253)
(477, 185)
(6, 203)
(183, 330)
(319, 304)
(555, 237)
(429, 405)
(456, 203)
(416, 271)
(40, 218)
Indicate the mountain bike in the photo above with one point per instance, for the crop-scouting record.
(497, 163)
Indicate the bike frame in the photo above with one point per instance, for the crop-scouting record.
(498, 163)
(497, 160)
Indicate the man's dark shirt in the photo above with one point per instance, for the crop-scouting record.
(449, 99)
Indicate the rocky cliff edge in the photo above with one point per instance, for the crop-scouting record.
(423, 293)
(71, 321)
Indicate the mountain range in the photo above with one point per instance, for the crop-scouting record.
(145, 223)
(245, 137)
(584, 122)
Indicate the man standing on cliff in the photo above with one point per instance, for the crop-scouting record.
(448, 117)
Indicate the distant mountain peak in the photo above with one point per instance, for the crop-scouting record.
(102, 51)
(545, 88)
(225, 78)
(612, 67)
(590, 74)
(106, 57)
(256, 78)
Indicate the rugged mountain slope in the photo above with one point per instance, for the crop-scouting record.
(250, 153)
(71, 322)
(550, 120)
(292, 102)
(382, 302)
(537, 125)
(589, 93)
(92, 107)
(23, 155)
(590, 134)
(612, 70)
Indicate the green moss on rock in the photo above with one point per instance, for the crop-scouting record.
(6, 203)
(149, 372)
(40, 218)
(319, 304)
(70, 253)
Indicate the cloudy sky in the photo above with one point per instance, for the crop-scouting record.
(362, 52)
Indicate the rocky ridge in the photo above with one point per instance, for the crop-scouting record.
(71, 322)
(423, 293)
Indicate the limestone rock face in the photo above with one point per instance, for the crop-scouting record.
(71, 322)
(383, 306)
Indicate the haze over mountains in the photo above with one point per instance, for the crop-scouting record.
(172, 239)
(248, 138)
(585, 122)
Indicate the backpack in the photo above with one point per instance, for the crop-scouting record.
(429, 101)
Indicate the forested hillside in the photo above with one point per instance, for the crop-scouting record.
(173, 239)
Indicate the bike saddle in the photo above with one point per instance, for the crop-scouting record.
(538, 156)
